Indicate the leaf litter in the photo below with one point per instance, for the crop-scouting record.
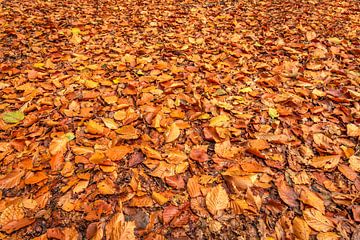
(179, 120)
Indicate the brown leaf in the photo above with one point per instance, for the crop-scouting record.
(217, 200)
(176, 182)
(356, 213)
(323, 141)
(12, 179)
(317, 221)
(287, 193)
(169, 213)
(199, 154)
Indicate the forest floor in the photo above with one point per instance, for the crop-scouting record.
(177, 119)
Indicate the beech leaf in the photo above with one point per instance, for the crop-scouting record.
(13, 117)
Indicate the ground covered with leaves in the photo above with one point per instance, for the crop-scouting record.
(179, 119)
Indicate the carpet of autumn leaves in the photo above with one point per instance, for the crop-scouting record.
(179, 119)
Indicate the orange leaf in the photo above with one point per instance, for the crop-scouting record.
(173, 133)
(310, 198)
(128, 132)
(193, 187)
(35, 178)
(12, 179)
(301, 229)
(317, 221)
(118, 152)
(57, 161)
(326, 162)
(217, 199)
(94, 127)
(58, 145)
(16, 225)
(143, 201)
(106, 186)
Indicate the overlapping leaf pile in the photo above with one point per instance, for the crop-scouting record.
(179, 119)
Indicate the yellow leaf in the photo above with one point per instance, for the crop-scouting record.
(217, 199)
(94, 128)
(173, 133)
(273, 113)
(301, 229)
(110, 123)
(219, 121)
(39, 65)
(355, 163)
(75, 31)
(159, 198)
(246, 90)
(91, 84)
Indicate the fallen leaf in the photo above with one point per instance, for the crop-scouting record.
(353, 130)
(217, 200)
(12, 179)
(173, 133)
(317, 221)
(199, 154)
(273, 113)
(312, 199)
(13, 117)
(355, 163)
(287, 193)
(301, 229)
(118, 152)
(327, 236)
(326, 162)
